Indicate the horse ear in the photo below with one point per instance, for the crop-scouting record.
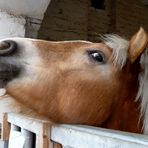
(138, 44)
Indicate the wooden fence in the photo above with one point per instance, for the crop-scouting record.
(20, 131)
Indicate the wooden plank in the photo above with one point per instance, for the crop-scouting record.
(26, 122)
(73, 136)
(86, 137)
(40, 127)
(43, 138)
(56, 145)
(5, 127)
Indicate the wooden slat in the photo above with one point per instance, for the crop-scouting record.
(43, 138)
(5, 127)
(40, 127)
(26, 122)
(76, 136)
(56, 145)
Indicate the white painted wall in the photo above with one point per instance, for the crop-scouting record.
(11, 26)
(29, 8)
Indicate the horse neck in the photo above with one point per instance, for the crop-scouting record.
(126, 113)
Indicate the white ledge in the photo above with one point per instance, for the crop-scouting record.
(30, 8)
(87, 137)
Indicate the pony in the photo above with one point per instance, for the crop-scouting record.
(78, 82)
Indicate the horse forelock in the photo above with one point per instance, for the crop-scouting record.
(119, 46)
(142, 94)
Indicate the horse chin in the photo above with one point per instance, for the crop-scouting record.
(7, 73)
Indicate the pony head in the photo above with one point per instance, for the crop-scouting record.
(72, 81)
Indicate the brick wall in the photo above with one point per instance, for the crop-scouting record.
(73, 19)
(65, 19)
(98, 23)
(130, 15)
(77, 19)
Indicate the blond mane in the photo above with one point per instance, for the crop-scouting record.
(142, 94)
(119, 46)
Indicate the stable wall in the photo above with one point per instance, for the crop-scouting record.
(11, 26)
(70, 20)
(21, 18)
(130, 15)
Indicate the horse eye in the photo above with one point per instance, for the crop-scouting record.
(96, 56)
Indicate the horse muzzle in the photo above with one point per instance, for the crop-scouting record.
(8, 68)
(7, 47)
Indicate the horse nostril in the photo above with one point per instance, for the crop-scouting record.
(7, 47)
